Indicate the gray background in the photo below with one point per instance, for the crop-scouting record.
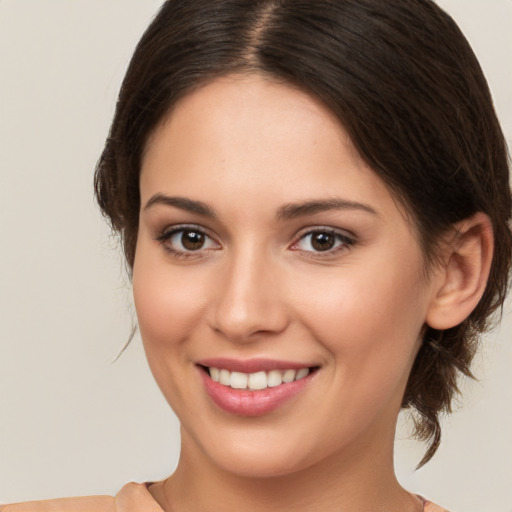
(72, 423)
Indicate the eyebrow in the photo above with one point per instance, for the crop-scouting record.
(294, 210)
(182, 203)
(286, 212)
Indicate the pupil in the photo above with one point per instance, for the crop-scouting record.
(323, 241)
(192, 240)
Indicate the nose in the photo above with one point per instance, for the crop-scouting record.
(249, 302)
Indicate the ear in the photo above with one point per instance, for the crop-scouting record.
(462, 277)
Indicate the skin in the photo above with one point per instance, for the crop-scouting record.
(246, 147)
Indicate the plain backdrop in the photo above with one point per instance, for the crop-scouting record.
(72, 422)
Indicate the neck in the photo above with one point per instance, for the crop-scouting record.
(354, 480)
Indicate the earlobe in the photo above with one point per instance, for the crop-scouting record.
(462, 278)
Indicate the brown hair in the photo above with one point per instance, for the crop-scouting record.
(405, 84)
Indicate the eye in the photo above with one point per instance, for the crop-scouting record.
(187, 240)
(322, 240)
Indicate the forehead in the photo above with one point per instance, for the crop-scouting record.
(249, 138)
(251, 107)
(237, 117)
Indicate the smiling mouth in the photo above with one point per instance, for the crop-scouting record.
(258, 380)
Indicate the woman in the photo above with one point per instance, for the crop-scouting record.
(313, 200)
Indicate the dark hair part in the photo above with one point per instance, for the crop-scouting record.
(405, 84)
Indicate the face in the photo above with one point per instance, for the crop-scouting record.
(271, 258)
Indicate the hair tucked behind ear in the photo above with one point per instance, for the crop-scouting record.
(443, 356)
(405, 84)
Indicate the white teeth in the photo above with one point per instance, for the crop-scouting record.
(238, 380)
(258, 380)
(303, 372)
(274, 378)
(225, 377)
(215, 374)
(289, 375)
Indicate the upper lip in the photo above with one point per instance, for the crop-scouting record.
(251, 365)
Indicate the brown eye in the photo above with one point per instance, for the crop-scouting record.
(192, 240)
(187, 240)
(322, 241)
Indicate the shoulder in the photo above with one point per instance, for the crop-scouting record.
(431, 507)
(96, 503)
(131, 498)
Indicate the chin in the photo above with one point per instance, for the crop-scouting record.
(257, 452)
(266, 464)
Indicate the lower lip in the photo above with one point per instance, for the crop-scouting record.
(252, 403)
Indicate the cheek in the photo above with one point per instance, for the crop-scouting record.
(369, 321)
(168, 302)
(169, 306)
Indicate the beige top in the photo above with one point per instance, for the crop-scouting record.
(131, 498)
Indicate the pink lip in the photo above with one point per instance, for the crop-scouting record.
(251, 365)
(252, 403)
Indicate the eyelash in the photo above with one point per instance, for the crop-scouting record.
(343, 241)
